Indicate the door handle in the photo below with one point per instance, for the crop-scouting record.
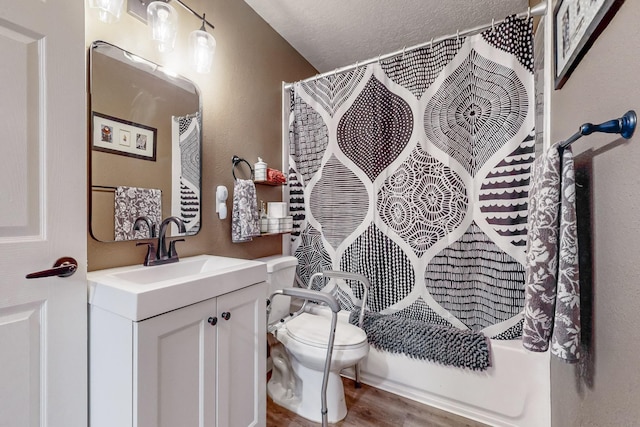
(63, 267)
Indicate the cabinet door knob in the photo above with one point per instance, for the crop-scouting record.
(212, 320)
(226, 315)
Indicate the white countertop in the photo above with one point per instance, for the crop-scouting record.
(138, 292)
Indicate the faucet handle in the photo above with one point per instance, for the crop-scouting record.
(151, 252)
(172, 248)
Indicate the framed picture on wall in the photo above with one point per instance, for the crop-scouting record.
(117, 136)
(577, 24)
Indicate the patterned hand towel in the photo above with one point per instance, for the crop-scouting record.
(244, 218)
(552, 292)
(132, 203)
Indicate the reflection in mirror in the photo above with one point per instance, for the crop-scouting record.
(145, 146)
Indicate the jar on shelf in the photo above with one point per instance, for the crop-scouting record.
(260, 170)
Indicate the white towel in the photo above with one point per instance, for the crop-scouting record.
(244, 218)
(132, 203)
(552, 289)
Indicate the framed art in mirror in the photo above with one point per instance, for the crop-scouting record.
(116, 136)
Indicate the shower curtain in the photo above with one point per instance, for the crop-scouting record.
(414, 171)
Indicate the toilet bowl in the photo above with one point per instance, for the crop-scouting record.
(297, 374)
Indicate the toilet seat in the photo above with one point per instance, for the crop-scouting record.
(314, 331)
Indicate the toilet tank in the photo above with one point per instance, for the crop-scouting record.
(281, 271)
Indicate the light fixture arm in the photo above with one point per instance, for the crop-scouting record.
(204, 21)
(138, 8)
(202, 28)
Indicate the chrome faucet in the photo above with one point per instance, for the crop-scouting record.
(162, 255)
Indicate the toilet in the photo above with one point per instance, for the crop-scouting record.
(299, 357)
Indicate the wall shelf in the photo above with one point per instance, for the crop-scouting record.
(271, 183)
(273, 234)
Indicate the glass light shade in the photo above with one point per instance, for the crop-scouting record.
(107, 11)
(202, 47)
(162, 19)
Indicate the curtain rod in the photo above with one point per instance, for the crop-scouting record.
(538, 10)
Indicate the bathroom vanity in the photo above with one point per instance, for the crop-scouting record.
(178, 345)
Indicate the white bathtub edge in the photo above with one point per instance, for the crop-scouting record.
(500, 383)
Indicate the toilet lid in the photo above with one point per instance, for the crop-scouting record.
(314, 331)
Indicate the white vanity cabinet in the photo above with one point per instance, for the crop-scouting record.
(201, 365)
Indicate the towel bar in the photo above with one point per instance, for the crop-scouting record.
(624, 125)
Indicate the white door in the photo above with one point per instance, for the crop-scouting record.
(43, 344)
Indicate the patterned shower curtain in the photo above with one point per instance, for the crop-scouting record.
(414, 171)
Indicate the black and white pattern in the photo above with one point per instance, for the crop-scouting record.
(504, 194)
(423, 201)
(476, 281)
(478, 108)
(332, 199)
(431, 208)
(308, 139)
(421, 311)
(296, 203)
(445, 345)
(344, 299)
(332, 91)
(186, 203)
(312, 258)
(514, 36)
(375, 129)
(512, 333)
(384, 263)
(416, 70)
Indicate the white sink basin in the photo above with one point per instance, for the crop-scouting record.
(138, 292)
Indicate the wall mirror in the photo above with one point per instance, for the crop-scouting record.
(145, 144)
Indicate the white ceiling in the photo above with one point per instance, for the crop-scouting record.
(336, 33)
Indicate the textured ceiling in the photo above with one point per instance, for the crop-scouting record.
(336, 33)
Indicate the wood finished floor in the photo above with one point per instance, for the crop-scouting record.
(369, 406)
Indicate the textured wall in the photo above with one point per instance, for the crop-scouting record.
(602, 391)
(241, 114)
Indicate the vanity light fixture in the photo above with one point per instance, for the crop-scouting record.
(202, 47)
(108, 11)
(162, 20)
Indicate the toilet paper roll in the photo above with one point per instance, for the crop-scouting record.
(277, 209)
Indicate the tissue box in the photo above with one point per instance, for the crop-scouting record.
(277, 225)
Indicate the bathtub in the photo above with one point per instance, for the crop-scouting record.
(514, 391)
